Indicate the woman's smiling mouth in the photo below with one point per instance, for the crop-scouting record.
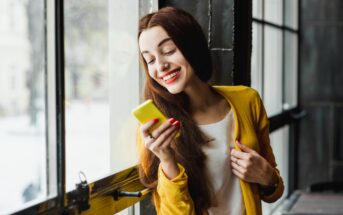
(171, 76)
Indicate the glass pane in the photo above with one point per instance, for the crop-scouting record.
(273, 11)
(257, 9)
(132, 210)
(22, 105)
(291, 13)
(102, 87)
(272, 70)
(256, 58)
(279, 140)
(291, 70)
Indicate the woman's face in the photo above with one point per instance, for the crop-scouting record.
(166, 64)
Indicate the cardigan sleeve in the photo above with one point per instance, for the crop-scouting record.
(174, 195)
(170, 196)
(266, 149)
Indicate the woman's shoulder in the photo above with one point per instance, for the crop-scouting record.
(238, 92)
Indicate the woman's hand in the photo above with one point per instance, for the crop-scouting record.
(159, 143)
(249, 166)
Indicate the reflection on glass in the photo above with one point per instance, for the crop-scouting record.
(102, 86)
(272, 92)
(22, 104)
(256, 59)
(291, 70)
(273, 11)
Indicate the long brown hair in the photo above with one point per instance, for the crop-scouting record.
(188, 36)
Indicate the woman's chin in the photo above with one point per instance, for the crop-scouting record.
(174, 90)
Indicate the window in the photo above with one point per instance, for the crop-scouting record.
(102, 84)
(275, 53)
(102, 87)
(23, 112)
(274, 74)
(280, 143)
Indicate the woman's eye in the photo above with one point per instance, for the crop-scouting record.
(170, 52)
(150, 61)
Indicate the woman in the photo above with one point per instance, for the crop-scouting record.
(222, 163)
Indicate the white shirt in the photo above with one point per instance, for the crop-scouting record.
(226, 187)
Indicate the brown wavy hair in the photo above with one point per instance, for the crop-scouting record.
(188, 36)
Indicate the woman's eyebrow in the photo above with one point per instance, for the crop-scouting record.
(163, 41)
(159, 44)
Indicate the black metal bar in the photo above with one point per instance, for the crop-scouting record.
(281, 27)
(296, 125)
(242, 42)
(59, 25)
(286, 117)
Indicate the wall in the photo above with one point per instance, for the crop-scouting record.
(321, 91)
(216, 19)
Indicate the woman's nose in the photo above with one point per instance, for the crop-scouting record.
(163, 66)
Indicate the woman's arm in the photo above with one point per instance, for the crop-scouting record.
(255, 167)
(171, 195)
(275, 190)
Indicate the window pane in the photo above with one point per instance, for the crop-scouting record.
(291, 70)
(22, 105)
(256, 59)
(257, 9)
(279, 140)
(291, 13)
(102, 87)
(132, 210)
(272, 70)
(273, 11)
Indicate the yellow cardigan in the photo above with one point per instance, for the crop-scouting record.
(252, 129)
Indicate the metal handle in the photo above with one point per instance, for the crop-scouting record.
(117, 193)
(299, 115)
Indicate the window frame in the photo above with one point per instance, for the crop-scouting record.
(103, 192)
(293, 115)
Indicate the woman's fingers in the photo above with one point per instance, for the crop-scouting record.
(170, 139)
(163, 138)
(158, 131)
(238, 174)
(146, 126)
(238, 167)
(240, 155)
(161, 145)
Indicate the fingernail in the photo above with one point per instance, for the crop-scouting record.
(171, 120)
(177, 124)
(155, 120)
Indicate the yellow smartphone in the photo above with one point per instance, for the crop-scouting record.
(148, 111)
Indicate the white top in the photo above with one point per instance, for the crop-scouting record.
(227, 191)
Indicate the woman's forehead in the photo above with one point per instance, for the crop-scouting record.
(151, 38)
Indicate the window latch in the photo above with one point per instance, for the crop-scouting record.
(117, 193)
(80, 196)
(298, 115)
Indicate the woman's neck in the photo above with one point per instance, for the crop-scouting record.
(201, 97)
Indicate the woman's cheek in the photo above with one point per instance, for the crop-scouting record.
(152, 73)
